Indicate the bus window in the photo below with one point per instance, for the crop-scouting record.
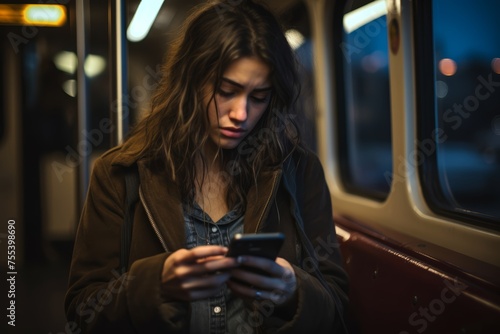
(364, 101)
(463, 118)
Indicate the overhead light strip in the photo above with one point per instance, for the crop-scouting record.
(363, 15)
(143, 19)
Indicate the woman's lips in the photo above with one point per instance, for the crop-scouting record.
(232, 132)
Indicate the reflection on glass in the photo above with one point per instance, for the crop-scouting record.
(366, 143)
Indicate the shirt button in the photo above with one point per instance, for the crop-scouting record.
(217, 309)
(214, 229)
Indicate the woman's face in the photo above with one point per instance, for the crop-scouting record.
(242, 98)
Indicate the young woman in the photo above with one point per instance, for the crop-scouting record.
(218, 155)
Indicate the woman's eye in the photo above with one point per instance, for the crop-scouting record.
(259, 99)
(225, 93)
(255, 98)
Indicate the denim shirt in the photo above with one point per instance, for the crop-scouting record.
(223, 312)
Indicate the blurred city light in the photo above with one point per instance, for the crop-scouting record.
(294, 38)
(441, 89)
(495, 65)
(45, 15)
(69, 87)
(67, 61)
(94, 65)
(33, 15)
(447, 67)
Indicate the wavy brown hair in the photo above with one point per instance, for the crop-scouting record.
(175, 131)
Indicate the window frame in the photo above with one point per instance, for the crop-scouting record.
(425, 100)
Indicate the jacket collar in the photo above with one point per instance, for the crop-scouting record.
(162, 198)
(259, 199)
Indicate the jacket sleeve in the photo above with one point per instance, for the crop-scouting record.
(100, 298)
(321, 301)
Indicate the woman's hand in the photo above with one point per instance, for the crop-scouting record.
(277, 282)
(195, 273)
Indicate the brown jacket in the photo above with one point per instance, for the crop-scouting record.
(102, 299)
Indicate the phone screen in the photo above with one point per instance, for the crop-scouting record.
(265, 245)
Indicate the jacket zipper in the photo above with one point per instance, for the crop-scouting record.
(151, 221)
(273, 193)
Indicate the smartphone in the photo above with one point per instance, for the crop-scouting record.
(265, 245)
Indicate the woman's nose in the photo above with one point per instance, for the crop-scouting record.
(239, 109)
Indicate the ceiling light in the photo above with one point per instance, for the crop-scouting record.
(143, 19)
(363, 15)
